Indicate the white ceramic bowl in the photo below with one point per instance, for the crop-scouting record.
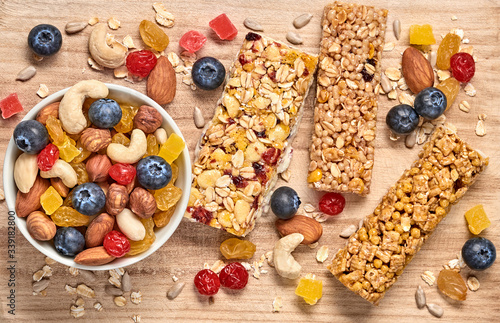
(122, 94)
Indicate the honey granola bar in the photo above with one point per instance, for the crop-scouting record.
(248, 142)
(342, 148)
(376, 255)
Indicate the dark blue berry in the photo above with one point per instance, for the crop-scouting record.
(88, 198)
(153, 172)
(285, 202)
(69, 241)
(430, 103)
(402, 119)
(105, 113)
(45, 40)
(479, 253)
(208, 73)
(31, 136)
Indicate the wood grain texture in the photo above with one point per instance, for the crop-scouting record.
(194, 244)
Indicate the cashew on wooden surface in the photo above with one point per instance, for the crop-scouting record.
(131, 154)
(62, 170)
(25, 171)
(70, 108)
(108, 56)
(284, 263)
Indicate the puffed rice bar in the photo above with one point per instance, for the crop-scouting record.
(342, 148)
(248, 142)
(376, 255)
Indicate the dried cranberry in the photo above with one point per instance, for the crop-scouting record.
(207, 282)
(234, 276)
(367, 76)
(140, 63)
(252, 36)
(123, 174)
(260, 172)
(47, 157)
(463, 67)
(271, 155)
(260, 134)
(227, 172)
(332, 203)
(306, 72)
(272, 76)
(243, 60)
(116, 244)
(202, 215)
(240, 182)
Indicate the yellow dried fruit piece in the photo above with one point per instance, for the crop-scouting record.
(168, 196)
(120, 138)
(314, 176)
(137, 247)
(421, 35)
(450, 87)
(68, 150)
(66, 216)
(51, 200)
(162, 218)
(126, 123)
(153, 36)
(477, 219)
(234, 248)
(84, 153)
(448, 47)
(81, 172)
(310, 289)
(172, 148)
(175, 172)
(152, 146)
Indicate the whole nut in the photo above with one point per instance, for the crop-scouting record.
(417, 70)
(40, 226)
(116, 198)
(142, 203)
(97, 230)
(130, 225)
(95, 139)
(308, 227)
(29, 202)
(94, 257)
(162, 82)
(50, 110)
(148, 119)
(98, 167)
(59, 186)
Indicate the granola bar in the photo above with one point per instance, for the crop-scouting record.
(248, 142)
(378, 252)
(342, 148)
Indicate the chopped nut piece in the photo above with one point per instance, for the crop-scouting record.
(322, 254)
(120, 301)
(93, 21)
(269, 258)
(113, 23)
(128, 42)
(453, 18)
(136, 297)
(473, 283)
(43, 91)
(277, 304)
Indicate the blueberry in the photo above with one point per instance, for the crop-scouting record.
(285, 202)
(45, 40)
(402, 119)
(430, 103)
(88, 198)
(105, 113)
(31, 136)
(69, 241)
(153, 172)
(208, 73)
(479, 253)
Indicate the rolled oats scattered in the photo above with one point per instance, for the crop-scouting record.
(93, 21)
(286, 175)
(80, 301)
(457, 31)
(393, 94)
(428, 277)
(470, 90)
(277, 304)
(322, 254)
(136, 318)
(73, 271)
(98, 307)
(50, 261)
(473, 283)
(443, 75)
(85, 291)
(174, 278)
(406, 98)
(41, 285)
(217, 266)
(43, 91)
(120, 72)
(93, 64)
(313, 245)
(432, 58)
(394, 136)
(402, 84)
(389, 47)
(115, 281)
(394, 74)
(173, 59)
(136, 297)
(77, 311)
(70, 290)
(120, 301)
(38, 275)
(165, 18)
(480, 128)
(113, 23)
(245, 264)
(128, 42)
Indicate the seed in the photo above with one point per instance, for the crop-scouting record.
(199, 121)
(411, 139)
(302, 20)
(87, 275)
(397, 28)
(435, 310)
(480, 129)
(126, 284)
(386, 83)
(348, 231)
(26, 73)
(40, 285)
(252, 25)
(473, 283)
(75, 26)
(464, 106)
(322, 254)
(113, 291)
(420, 297)
(294, 38)
(432, 57)
(175, 290)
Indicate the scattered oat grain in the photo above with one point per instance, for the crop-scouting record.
(98, 307)
(480, 128)
(136, 318)
(443, 75)
(70, 290)
(120, 301)
(120, 72)
(277, 304)
(428, 277)
(136, 297)
(93, 64)
(85, 291)
(113, 23)
(73, 271)
(322, 254)
(43, 91)
(93, 21)
(128, 42)
(389, 47)
(50, 261)
(473, 283)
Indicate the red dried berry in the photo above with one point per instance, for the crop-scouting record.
(116, 244)
(234, 276)
(47, 157)
(140, 63)
(332, 203)
(271, 155)
(123, 174)
(463, 67)
(201, 214)
(207, 282)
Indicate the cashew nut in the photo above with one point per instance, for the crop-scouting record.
(130, 225)
(131, 154)
(25, 171)
(70, 108)
(286, 266)
(108, 56)
(64, 171)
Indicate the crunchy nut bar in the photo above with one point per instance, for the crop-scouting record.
(342, 148)
(378, 252)
(248, 142)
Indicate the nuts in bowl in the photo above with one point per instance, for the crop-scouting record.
(98, 176)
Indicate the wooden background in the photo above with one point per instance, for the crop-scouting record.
(194, 244)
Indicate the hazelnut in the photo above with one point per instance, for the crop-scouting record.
(148, 119)
(142, 203)
(98, 168)
(116, 198)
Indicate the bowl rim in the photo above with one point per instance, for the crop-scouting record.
(11, 189)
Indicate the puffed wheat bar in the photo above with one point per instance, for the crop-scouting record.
(376, 255)
(342, 148)
(248, 142)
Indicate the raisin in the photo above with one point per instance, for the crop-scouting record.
(126, 123)
(66, 216)
(167, 197)
(235, 248)
(448, 47)
(137, 247)
(260, 172)
(252, 36)
(367, 76)
(239, 181)
(463, 67)
(153, 36)
(271, 156)
(123, 174)
(452, 284)
(332, 203)
(260, 134)
(162, 218)
(450, 87)
(81, 172)
(152, 146)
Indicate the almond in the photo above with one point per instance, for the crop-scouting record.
(95, 139)
(40, 226)
(116, 198)
(417, 70)
(29, 202)
(98, 168)
(142, 203)
(59, 186)
(94, 257)
(50, 110)
(97, 230)
(308, 227)
(162, 82)
(148, 119)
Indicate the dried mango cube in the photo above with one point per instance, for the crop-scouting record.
(477, 219)
(51, 200)
(421, 35)
(172, 148)
(310, 289)
(68, 150)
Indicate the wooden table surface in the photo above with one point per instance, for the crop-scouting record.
(194, 244)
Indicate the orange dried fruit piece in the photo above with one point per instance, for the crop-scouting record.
(172, 148)
(137, 247)
(448, 47)
(235, 248)
(477, 219)
(66, 216)
(162, 218)
(55, 130)
(421, 35)
(51, 200)
(84, 153)
(450, 87)
(310, 289)
(452, 284)
(167, 197)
